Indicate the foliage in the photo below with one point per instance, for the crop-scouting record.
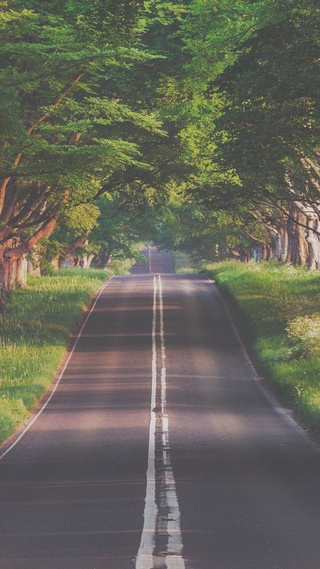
(251, 116)
(67, 131)
(272, 109)
(207, 234)
(215, 102)
(305, 333)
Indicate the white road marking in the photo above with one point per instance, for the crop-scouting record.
(33, 420)
(286, 414)
(161, 541)
(147, 543)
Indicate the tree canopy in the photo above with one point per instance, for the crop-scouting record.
(142, 112)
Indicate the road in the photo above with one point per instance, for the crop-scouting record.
(159, 448)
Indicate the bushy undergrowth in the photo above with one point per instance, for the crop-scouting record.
(278, 311)
(34, 335)
(183, 263)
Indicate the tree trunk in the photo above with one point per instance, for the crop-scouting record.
(302, 253)
(12, 254)
(313, 242)
(21, 275)
(89, 260)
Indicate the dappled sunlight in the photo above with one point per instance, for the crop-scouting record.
(211, 425)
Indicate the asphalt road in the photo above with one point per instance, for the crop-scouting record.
(159, 449)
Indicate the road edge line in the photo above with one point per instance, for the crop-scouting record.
(56, 383)
(262, 385)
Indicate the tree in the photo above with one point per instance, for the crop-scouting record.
(66, 134)
(256, 93)
(121, 226)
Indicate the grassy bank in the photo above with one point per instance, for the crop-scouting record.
(33, 338)
(277, 308)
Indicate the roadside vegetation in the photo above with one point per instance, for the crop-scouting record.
(181, 123)
(278, 313)
(184, 263)
(34, 334)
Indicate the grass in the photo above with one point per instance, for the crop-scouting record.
(277, 308)
(33, 338)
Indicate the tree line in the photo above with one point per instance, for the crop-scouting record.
(194, 124)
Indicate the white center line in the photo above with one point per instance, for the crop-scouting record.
(161, 541)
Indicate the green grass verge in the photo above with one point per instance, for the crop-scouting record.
(277, 308)
(34, 336)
